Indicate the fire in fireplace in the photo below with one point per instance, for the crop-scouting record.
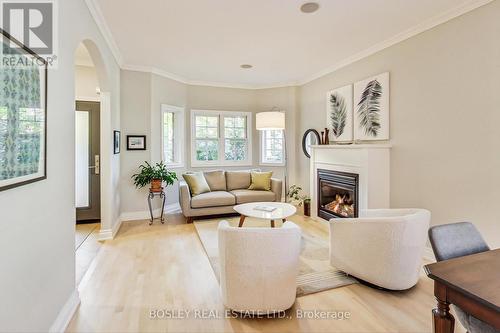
(337, 194)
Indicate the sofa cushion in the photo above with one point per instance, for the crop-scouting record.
(213, 199)
(260, 180)
(216, 180)
(245, 196)
(237, 179)
(196, 182)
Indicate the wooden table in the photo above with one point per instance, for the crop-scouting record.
(472, 283)
(281, 212)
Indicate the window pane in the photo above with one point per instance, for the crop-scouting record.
(168, 137)
(235, 145)
(240, 122)
(201, 121)
(228, 122)
(201, 132)
(272, 146)
(213, 121)
(229, 132)
(212, 133)
(207, 150)
(235, 150)
(239, 133)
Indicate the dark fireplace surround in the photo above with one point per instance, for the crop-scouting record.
(337, 194)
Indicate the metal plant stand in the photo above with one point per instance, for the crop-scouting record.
(151, 197)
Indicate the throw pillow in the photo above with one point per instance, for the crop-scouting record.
(196, 182)
(216, 180)
(261, 180)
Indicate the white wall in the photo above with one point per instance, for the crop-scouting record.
(445, 101)
(37, 221)
(86, 83)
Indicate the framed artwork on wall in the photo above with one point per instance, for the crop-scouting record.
(23, 114)
(339, 114)
(116, 142)
(371, 103)
(136, 142)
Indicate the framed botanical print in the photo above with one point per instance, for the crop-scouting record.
(116, 142)
(371, 115)
(339, 114)
(23, 114)
(136, 142)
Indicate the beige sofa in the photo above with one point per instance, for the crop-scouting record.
(227, 189)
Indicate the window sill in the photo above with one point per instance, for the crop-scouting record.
(218, 164)
(278, 165)
(174, 165)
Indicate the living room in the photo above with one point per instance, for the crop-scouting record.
(318, 161)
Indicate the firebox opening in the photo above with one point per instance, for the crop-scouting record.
(337, 194)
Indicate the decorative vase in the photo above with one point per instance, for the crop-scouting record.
(307, 208)
(156, 185)
(327, 136)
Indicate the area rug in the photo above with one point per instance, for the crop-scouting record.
(315, 272)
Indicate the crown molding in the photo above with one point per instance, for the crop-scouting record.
(96, 13)
(178, 78)
(418, 29)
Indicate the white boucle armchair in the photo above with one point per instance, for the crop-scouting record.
(259, 267)
(383, 246)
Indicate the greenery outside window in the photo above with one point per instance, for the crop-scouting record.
(220, 138)
(272, 147)
(172, 126)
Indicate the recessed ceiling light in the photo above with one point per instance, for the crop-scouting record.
(309, 7)
(246, 66)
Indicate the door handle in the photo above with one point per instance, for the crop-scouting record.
(96, 167)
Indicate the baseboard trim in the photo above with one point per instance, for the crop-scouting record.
(144, 215)
(66, 313)
(108, 234)
(429, 254)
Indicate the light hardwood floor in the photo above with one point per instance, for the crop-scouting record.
(164, 267)
(86, 248)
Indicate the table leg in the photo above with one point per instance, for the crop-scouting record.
(150, 196)
(242, 219)
(443, 320)
(163, 197)
(272, 223)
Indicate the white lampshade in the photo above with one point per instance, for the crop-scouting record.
(272, 120)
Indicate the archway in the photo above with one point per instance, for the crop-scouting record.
(92, 153)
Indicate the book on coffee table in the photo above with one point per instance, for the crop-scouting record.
(264, 208)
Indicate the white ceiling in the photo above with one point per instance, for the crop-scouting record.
(206, 41)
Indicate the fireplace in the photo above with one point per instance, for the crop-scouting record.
(337, 194)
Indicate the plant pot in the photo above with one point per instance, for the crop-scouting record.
(156, 185)
(307, 208)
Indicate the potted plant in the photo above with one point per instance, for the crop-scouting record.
(153, 175)
(295, 195)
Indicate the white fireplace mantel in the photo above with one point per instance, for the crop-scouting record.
(370, 161)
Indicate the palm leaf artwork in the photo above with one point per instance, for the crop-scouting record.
(369, 108)
(338, 114)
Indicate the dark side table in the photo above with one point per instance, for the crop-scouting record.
(151, 196)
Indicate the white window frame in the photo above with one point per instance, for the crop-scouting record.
(263, 149)
(179, 136)
(221, 144)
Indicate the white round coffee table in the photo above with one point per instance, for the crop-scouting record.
(281, 211)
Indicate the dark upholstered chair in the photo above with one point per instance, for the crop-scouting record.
(457, 240)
